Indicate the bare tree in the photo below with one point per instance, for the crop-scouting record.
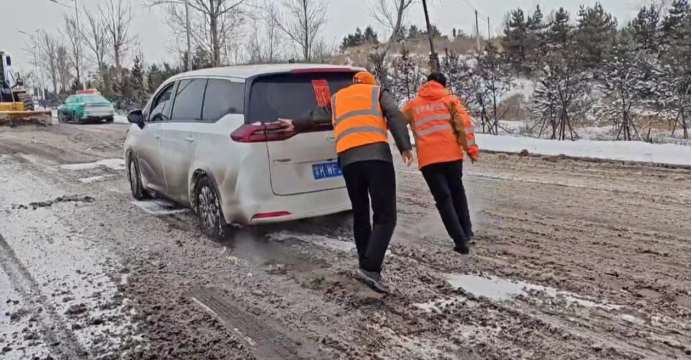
(116, 19)
(94, 36)
(212, 23)
(75, 43)
(322, 52)
(302, 21)
(49, 59)
(391, 14)
(266, 44)
(63, 67)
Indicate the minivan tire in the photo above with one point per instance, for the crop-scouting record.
(135, 179)
(208, 208)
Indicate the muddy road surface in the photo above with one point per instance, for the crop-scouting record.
(572, 260)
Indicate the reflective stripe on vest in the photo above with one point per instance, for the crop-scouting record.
(374, 109)
(362, 125)
(361, 129)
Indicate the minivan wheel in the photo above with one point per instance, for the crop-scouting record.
(135, 179)
(208, 208)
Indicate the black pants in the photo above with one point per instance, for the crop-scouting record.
(444, 181)
(366, 180)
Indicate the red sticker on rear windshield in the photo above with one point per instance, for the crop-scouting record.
(322, 93)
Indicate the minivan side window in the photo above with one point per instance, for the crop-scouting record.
(188, 100)
(161, 107)
(222, 97)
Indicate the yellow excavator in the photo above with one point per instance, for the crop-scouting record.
(16, 104)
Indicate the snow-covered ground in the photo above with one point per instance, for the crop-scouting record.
(615, 150)
(599, 133)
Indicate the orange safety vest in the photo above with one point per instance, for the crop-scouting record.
(357, 117)
(436, 140)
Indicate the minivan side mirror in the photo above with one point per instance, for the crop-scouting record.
(136, 117)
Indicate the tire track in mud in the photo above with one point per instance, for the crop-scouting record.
(263, 339)
(55, 333)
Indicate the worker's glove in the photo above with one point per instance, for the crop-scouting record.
(474, 159)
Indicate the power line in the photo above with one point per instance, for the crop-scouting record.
(474, 9)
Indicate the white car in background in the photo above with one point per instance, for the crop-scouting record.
(209, 140)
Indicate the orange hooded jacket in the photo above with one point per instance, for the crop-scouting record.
(441, 126)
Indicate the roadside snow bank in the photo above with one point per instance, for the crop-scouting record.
(612, 150)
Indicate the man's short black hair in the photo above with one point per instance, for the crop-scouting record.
(439, 77)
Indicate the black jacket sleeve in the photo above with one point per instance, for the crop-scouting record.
(395, 121)
(315, 118)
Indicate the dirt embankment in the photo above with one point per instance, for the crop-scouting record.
(572, 260)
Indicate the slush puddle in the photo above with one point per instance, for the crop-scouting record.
(499, 289)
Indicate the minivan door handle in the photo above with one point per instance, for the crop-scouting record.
(189, 139)
(157, 137)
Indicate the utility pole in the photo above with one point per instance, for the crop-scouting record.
(489, 34)
(434, 61)
(478, 34)
(79, 33)
(187, 25)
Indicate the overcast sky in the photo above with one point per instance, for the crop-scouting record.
(344, 16)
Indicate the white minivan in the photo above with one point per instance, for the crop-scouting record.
(209, 140)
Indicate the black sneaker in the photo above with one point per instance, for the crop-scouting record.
(372, 279)
(462, 249)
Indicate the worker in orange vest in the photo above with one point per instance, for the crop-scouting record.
(442, 129)
(361, 114)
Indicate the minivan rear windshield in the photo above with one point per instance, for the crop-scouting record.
(290, 96)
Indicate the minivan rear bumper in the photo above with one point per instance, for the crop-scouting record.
(291, 207)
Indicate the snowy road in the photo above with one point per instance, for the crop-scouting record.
(574, 260)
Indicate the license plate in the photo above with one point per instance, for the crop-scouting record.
(326, 170)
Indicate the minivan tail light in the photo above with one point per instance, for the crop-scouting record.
(249, 133)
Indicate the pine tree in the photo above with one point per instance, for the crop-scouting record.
(136, 80)
(595, 34)
(436, 34)
(535, 38)
(675, 65)
(493, 78)
(676, 24)
(626, 83)
(515, 41)
(407, 77)
(201, 59)
(459, 79)
(154, 79)
(414, 32)
(559, 31)
(645, 29)
(370, 36)
(562, 93)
